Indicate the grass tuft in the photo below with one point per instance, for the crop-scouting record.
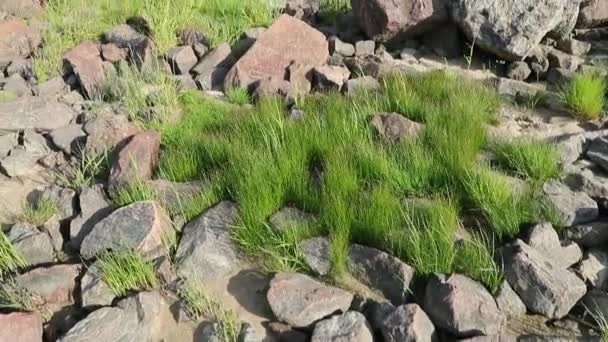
(585, 95)
(125, 271)
(13, 297)
(39, 213)
(529, 159)
(10, 259)
(475, 257)
(238, 95)
(89, 170)
(135, 191)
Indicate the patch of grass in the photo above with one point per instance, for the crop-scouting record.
(238, 95)
(330, 9)
(529, 159)
(124, 271)
(601, 321)
(135, 191)
(39, 213)
(200, 304)
(90, 170)
(475, 257)
(13, 297)
(7, 96)
(585, 95)
(10, 259)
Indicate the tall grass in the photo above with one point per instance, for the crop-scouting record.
(585, 95)
(529, 159)
(10, 259)
(39, 213)
(124, 271)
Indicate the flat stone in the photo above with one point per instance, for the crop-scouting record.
(395, 127)
(509, 302)
(589, 235)
(85, 61)
(574, 47)
(53, 287)
(315, 252)
(35, 246)
(572, 207)
(141, 226)
(300, 301)
(360, 85)
(113, 53)
(94, 206)
(21, 326)
(350, 326)
(34, 113)
(408, 323)
(327, 78)
(136, 160)
(221, 56)
(106, 132)
(52, 87)
(68, 138)
(182, 59)
(93, 290)
(559, 59)
(594, 268)
(211, 79)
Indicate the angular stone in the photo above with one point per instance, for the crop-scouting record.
(94, 206)
(35, 246)
(22, 67)
(21, 326)
(141, 226)
(287, 41)
(559, 59)
(574, 47)
(360, 85)
(138, 45)
(395, 127)
(559, 76)
(19, 162)
(572, 207)
(545, 240)
(336, 46)
(543, 286)
(350, 326)
(113, 53)
(52, 87)
(206, 251)
(16, 40)
(7, 142)
(381, 272)
(593, 13)
(509, 302)
(519, 71)
(135, 161)
(329, 77)
(62, 198)
(221, 56)
(272, 87)
(34, 113)
(589, 235)
(53, 228)
(365, 48)
(568, 20)
(106, 132)
(68, 138)
(52, 286)
(184, 82)
(300, 301)
(408, 323)
(290, 218)
(93, 290)
(16, 85)
(316, 254)
(182, 59)
(211, 79)
(594, 268)
(21, 8)
(85, 61)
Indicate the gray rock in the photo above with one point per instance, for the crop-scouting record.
(350, 326)
(559, 59)
(572, 207)
(598, 152)
(218, 57)
(53, 228)
(509, 302)
(211, 79)
(21, 67)
(182, 59)
(572, 146)
(593, 13)
(35, 143)
(408, 323)
(544, 287)
(364, 48)
(51, 87)
(17, 85)
(284, 333)
(139, 46)
(68, 138)
(62, 198)
(462, 306)
(206, 251)
(594, 268)
(141, 226)
(7, 142)
(511, 34)
(568, 21)
(315, 252)
(93, 290)
(94, 206)
(300, 301)
(361, 85)
(330, 77)
(519, 71)
(574, 47)
(590, 234)
(107, 131)
(248, 334)
(184, 82)
(35, 246)
(381, 272)
(336, 46)
(545, 240)
(52, 287)
(516, 89)
(19, 162)
(559, 76)
(34, 113)
(395, 127)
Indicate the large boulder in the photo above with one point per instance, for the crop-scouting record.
(85, 61)
(287, 41)
(21, 326)
(350, 326)
(510, 30)
(568, 22)
(545, 240)
(593, 13)
(136, 160)
(390, 20)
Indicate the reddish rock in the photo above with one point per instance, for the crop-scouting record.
(85, 61)
(136, 160)
(53, 287)
(16, 40)
(21, 8)
(287, 41)
(20, 326)
(113, 53)
(107, 131)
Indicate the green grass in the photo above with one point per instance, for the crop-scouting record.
(126, 271)
(601, 321)
(13, 297)
(10, 259)
(585, 95)
(135, 191)
(39, 213)
(475, 257)
(199, 303)
(238, 95)
(330, 9)
(529, 159)
(89, 170)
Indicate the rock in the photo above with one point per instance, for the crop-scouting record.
(574, 47)
(139, 46)
(395, 127)
(35, 246)
(573, 146)
(509, 302)
(93, 290)
(519, 71)
(559, 59)
(408, 323)
(17, 85)
(287, 41)
(34, 113)
(272, 87)
(559, 76)
(300, 78)
(336, 46)
(284, 333)
(445, 41)
(380, 271)
(21, 9)
(62, 198)
(315, 252)
(22, 67)
(143, 317)
(543, 286)
(113, 53)
(173, 195)
(68, 138)
(594, 268)
(184, 82)
(350, 326)
(52, 227)
(327, 78)
(511, 34)
(52, 87)
(568, 21)
(19, 162)
(593, 13)
(52, 286)
(141, 226)
(16, 40)
(386, 21)
(135, 161)
(361, 85)
(589, 235)
(516, 89)
(7, 142)
(365, 48)
(598, 152)
(300, 301)
(106, 132)
(182, 59)
(462, 306)
(206, 251)
(218, 57)
(212, 79)
(85, 61)
(21, 326)
(572, 207)
(545, 240)
(94, 206)
(290, 218)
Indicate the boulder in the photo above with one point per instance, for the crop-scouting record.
(545, 288)
(221, 56)
(107, 131)
(86, 63)
(509, 302)
(545, 240)
(34, 113)
(558, 76)
(572, 207)
(519, 71)
(93, 290)
(594, 268)
(182, 59)
(21, 326)
(336, 46)
(462, 306)
(593, 13)
(211, 79)
(141, 226)
(510, 32)
(51, 287)
(113, 54)
(393, 20)
(315, 252)
(395, 127)
(408, 323)
(94, 206)
(300, 301)
(590, 234)
(138, 45)
(68, 138)
(136, 160)
(16, 40)
(574, 47)
(35, 246)
(287, 41)
(328, 77)
(568, 21)
(350, 326)
(559, 59)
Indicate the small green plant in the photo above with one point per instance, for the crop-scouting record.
(13, 297)
(39, 213)
(585, 95)
(135, 191)
(475, 257)
(10, 259)
(238, 95)
(7, 96)
(124, 271)
(530, 159)
(87, 172)
(200, 304)
(330, 9)
(600, 320)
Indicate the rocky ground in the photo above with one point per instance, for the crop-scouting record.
(523, 49)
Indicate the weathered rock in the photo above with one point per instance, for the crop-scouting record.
(380, 271)
(365, 48)
(544, 287)
(184, 82)
(21, 8)
(559, 59)
(106, 132)
(93, 208)
(16, 85)
(574, 47)
(545, 240)
(22, 67)
(510, 32)
(568, 22)
(21, 326)
(206, 251)
(290, 218)
(395, 127)
(141, 226)
(360, 85)
(113, 53)
(182, 59)
(336, 46)
(572, 207)
(284, 333)
(138, 45)
(350, 326)
(221, 56)
(559, 76)
(287, 41)
(7, 142)
(93, 290)
(330, 77)
(573, 146)
(52, 287)
(135, 161)
(212, 79)
(19, 162)
(68, 138)
(316, 254)
(408, 323)
(300, 78)
(593, 13)
(519, 71)
(594, 268)
(590, 234)
(52, 227)
(300, 301)
(34, 113)
(85, 61)
(35, 246)
(462, 306)
(509, 302)
(16, 40)
(173, 195)
(63, 200)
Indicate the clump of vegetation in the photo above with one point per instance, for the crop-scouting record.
(39, 213)
(124, 271)
(585, 95)
(13, 297)
(135, 191)
(10, 259)
(601, 321)
(238, 95)
(529, 159)
(200, 304)
(475, 257)
(87, 172)
(330, 9)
